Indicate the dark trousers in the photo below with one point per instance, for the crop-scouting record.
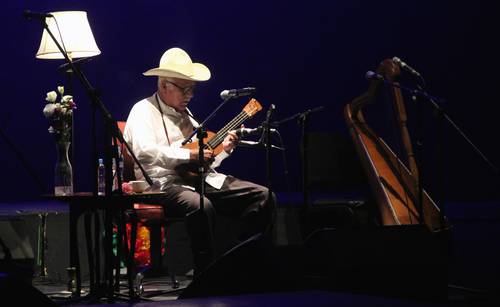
(244, 200)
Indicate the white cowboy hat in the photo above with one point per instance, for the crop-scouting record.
(176, 63)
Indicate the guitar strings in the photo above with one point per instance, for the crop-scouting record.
(232, 124)
(238, 120)
(221, 134)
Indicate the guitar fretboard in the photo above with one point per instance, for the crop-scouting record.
(233, 124)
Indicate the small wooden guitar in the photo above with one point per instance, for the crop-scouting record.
(188, 171)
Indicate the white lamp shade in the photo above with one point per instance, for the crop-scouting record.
(76, 34)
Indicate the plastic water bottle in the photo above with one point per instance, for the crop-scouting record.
(101, 178)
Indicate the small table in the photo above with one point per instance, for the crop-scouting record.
(114, 207)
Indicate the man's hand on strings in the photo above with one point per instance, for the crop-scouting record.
(231, 140)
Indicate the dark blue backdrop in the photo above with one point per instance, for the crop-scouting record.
(298, 54)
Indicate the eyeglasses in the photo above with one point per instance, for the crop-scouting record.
(185, 90)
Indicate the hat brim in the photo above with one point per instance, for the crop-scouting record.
(200, 73)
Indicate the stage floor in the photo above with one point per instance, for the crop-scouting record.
(473, 275)
(158, 291)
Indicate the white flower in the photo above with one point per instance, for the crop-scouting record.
(59, 113)
(66, 98)
(51, 96)
(49, 109)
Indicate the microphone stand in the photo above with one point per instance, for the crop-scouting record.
(302, 119)
(198, 219)
(267, 140)
(112, 131)
(421, 95)
(419, 158)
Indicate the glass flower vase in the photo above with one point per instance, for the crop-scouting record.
(63, 172)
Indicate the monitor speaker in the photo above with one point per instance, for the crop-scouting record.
(253, 266)
(16, 253)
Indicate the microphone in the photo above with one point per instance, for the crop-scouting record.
(235, 93)
(370, 75)
(249, 144)
(252, 144)
(29, 15)
(406, 67)
(270, 111)
(242, 132)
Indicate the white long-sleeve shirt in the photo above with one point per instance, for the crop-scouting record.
(158, 154)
